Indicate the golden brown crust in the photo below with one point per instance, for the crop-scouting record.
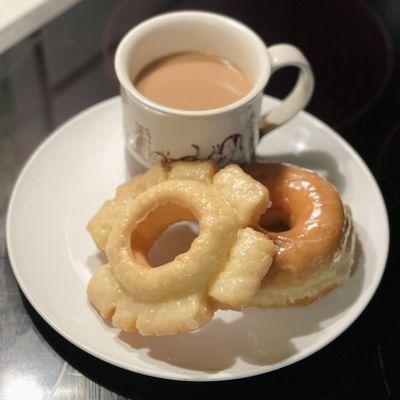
(308, 226)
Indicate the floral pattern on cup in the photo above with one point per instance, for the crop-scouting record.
(223, 153)
(142, 142)
(165, 156)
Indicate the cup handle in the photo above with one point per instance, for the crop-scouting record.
(285, 55)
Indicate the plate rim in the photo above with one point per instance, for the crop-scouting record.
(177, 376)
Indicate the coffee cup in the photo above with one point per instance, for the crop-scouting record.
(158, 133)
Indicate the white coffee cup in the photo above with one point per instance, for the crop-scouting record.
(157, 133)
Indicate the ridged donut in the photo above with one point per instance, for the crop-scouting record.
(312, 230)
(223, 267)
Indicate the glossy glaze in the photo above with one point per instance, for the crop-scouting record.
(314, 246)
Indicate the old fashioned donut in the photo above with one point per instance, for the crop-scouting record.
(313, 231)
(223, 267)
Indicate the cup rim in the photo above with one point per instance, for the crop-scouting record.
(129, 88)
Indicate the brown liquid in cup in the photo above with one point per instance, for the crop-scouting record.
(192, 81)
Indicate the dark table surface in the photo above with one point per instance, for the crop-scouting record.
(354, 48)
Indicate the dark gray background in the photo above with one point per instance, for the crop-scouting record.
(67, 66)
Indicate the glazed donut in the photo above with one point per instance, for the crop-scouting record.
(313, 231)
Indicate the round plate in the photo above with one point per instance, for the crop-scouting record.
(78, 167)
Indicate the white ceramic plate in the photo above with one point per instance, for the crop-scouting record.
(79, 166)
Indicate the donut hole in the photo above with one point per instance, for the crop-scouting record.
(276, 220)
(166, 233)
(175, 240)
